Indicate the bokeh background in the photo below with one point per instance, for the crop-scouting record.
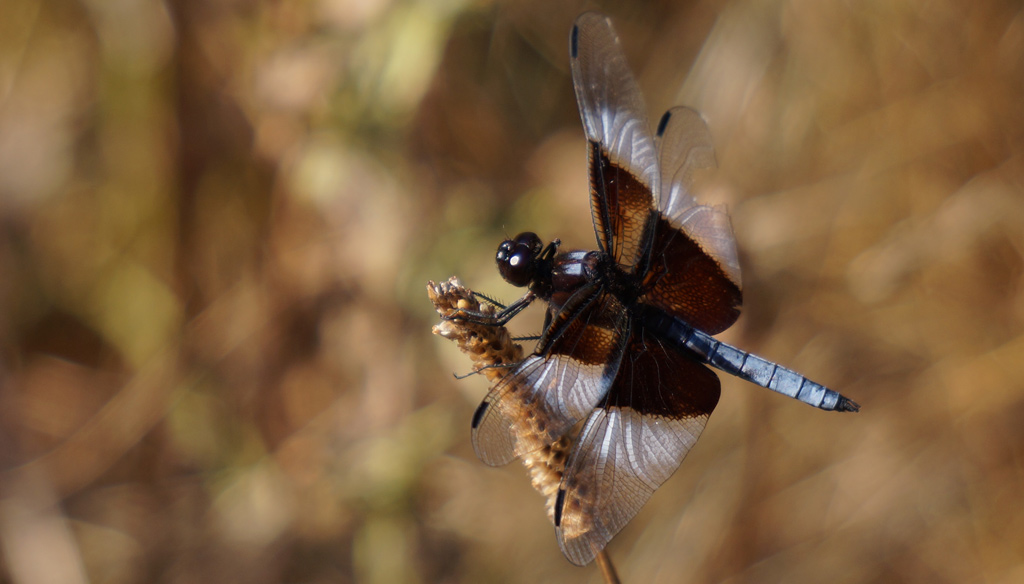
(218, 217)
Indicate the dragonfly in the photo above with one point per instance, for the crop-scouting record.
(628, 333)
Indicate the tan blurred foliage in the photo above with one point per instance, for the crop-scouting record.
(217, 218)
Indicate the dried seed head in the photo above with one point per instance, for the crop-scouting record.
(489, 346)
(546, 467)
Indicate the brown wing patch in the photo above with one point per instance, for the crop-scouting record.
(688, 283)
(621, 205)
(656, 378)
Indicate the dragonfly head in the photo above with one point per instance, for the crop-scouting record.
(518, 258)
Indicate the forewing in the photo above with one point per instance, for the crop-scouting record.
(655, 411)
(623, 161)
(685, 146)
(551, 390)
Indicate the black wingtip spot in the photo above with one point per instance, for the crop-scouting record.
(479, 414)
(559, 503)
(574, 45)
(663, 123)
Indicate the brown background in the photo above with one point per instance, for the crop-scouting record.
(217, 218)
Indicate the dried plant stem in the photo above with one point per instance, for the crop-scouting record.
(604, 561)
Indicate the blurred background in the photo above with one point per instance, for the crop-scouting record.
(218, 217)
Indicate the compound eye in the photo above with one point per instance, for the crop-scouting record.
(516, 258)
